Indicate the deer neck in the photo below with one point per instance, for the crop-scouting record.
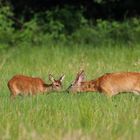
(88, 86)
(48, 87)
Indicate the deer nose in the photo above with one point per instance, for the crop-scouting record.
(67, 90)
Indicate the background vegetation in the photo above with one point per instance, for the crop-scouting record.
(40, 37)
(69, 22)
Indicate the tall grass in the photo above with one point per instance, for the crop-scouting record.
(62, 116)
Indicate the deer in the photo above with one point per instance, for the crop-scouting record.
(109, 84)
(26, 85)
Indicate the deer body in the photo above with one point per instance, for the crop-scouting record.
(110, 84)
(26, 85)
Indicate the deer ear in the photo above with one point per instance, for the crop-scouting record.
(51, 78)
(80, 77)
(62, 78)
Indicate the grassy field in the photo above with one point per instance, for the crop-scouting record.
(62, 116)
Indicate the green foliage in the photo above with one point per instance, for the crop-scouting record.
(5, 21)
(6, 25)
(86, 35)
(68, 26)
(63, 20)
(52, 26)
(30, 33)
(103, 31)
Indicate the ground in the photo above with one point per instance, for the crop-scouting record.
(63, 116)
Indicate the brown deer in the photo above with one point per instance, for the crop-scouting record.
(110, 83)
(25, 85)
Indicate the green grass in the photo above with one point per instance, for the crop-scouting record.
(62, 116)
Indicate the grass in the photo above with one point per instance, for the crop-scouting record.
(62, 116)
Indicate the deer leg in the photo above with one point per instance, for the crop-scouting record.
(12, 93)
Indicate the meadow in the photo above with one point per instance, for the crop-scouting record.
(63, 116)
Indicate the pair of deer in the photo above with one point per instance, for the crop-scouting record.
(110, 84)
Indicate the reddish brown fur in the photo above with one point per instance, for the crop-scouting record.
(110, 84)
(26, 85)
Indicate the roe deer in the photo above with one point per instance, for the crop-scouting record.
(26, 85)
(110, 83)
